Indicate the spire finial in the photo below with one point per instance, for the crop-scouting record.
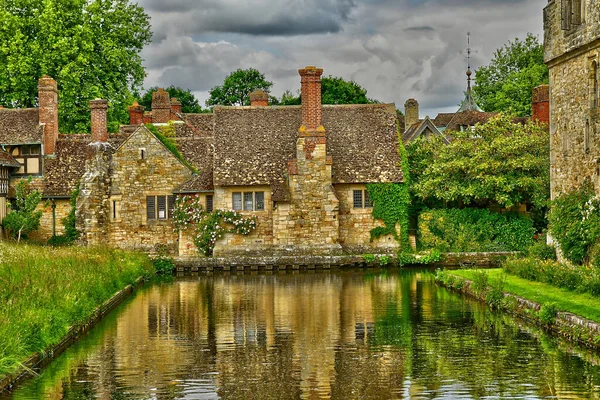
(469, 61)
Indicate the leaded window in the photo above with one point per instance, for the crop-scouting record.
(237, 200)
(160, 207)
(357, 196)
(209, 203)
(248, 201)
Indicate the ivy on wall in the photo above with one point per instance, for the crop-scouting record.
(165, 135)
(391, 202)
(209, 226)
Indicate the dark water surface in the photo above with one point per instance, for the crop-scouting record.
(340, 335)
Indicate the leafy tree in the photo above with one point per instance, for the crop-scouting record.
(22, 217)
(189, 103)
(500, 162)
(237, 87)
(506, 83)
(334, 90)
(91, 47)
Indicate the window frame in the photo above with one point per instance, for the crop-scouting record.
(365, 200)
(24, 153)
(157, 203)
(245, 198)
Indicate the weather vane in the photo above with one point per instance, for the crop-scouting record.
(469, 51)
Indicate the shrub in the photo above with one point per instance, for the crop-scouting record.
(368, 258)
(423, 258)
(547, 313)
(384, 260)
(540, 250)
(495, 294)
(469, 229)
(23, 218)
(163, 265)
(574, 221)
(480, 282)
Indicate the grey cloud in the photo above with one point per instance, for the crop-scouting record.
(419, 29)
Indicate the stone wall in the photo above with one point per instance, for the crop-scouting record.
(63, 207)
(133, 178)
(262, 237)
(575, 117)
(356, 225)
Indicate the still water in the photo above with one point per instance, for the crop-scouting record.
(339, 335)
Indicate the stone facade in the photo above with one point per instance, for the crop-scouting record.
(572, 53)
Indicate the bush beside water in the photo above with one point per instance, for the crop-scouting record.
(474, 230)
(44, 291)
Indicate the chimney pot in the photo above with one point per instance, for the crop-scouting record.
(311, 97)
(98, 109)
(259, 98)
(161, 107)
(48, 111)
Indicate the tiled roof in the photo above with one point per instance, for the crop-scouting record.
(202, 123)
(20, 126)
(468, 118)
(7, 160)
(254, 144)
(442, 119)
(423, 127)
(199, 152)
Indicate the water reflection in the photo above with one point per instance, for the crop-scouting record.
(347, 335)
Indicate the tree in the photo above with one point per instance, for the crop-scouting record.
(499, 162)
(334, 90)
(189, 103)
(237, 87)
(92, 49)
(22, 217)
(506, 83)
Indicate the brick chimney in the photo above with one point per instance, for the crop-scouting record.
(259, 98)
(540, 104)
(311, 97)
(175, 105)
(99, 128)
(161, 107)
(411, 113)
(136, 114)
(48, 109)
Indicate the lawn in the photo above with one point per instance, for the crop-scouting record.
(584, 305)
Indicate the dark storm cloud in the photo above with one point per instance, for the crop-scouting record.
(258, 17)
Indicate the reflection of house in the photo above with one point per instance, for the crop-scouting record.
(301, 170)
(466, 117)
(572, 53)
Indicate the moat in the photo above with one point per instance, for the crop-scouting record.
(332, 334)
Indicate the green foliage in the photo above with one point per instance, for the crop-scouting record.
(46, 290)
(423, 258)
(390, 204)
(92, 49)
(506, 83)
(369, 258)
(237, 87)
(22, 217)
(542, 251)
(334, 90)
(165, 135)
(494, 296)
(472, 229)
(569, 277)
(209, 227)
(574, 222)
(69, 222)
(163, 265)
(499, 162)
(189, 103)
(384, 260)
(480, 282)
(547, 313)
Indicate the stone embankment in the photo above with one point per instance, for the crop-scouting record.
(567, 325)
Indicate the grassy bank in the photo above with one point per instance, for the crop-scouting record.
(45, 290)
(584, 305)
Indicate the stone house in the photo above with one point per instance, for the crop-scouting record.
(301, 170)
(572, 53)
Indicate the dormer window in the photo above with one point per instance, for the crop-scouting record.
(30, 158)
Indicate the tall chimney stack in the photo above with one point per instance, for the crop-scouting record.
(259, 98)
(540, 104)
(98, 108)
(411, 113)
(311, 97)
(161, 107)
(48, 109)
(136, 114)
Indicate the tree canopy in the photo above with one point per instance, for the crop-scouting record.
(237, 87)
(189, 103)
(23, 218)
(334, 90)
(499, 162)
(92, 49)
(506, 83)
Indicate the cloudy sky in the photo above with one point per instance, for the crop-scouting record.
(396, 49)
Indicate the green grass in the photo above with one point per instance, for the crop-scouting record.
(584, 305)
(46, 290)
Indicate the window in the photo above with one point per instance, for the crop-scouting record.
(160, 207)
(252, 201)
(361, 199)
(3, 181)
(114, 209)
(594, 86)
(237, 200)
(29, 156)
(142, 154)
(572, 13)
(586, 137)
(209, 203)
